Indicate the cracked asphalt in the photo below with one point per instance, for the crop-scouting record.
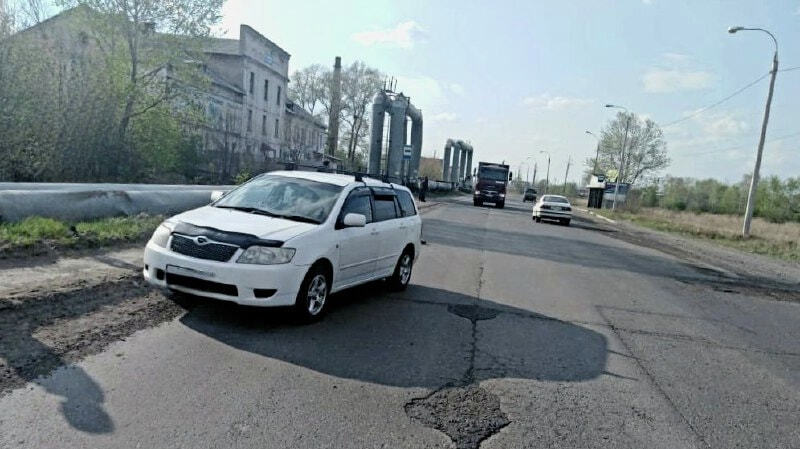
(512, 335)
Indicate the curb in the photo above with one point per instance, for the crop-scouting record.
(596, 215)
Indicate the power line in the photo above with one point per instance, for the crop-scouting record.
(789, 69)
(713, 105)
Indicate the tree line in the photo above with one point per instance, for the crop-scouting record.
(105, 93)
(777, 200)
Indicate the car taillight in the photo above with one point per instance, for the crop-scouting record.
(568, 209)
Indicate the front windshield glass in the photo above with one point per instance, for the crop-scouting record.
(292, 198)
(493, 174)
(555, 199)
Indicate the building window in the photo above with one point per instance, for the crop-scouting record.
(266, 90)
(252, 81)
(249, 120)
(278, 98)
(264, 124)
(277, 124)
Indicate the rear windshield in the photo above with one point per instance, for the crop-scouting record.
(530, 191)
(555, 199)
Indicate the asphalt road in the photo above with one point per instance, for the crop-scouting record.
(513, 335)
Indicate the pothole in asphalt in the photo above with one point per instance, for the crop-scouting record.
(472, 312)
(468, 414)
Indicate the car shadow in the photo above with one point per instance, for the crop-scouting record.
(423, 337)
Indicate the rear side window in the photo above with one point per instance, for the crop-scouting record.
(406, 204)
(358, 203)
(385, 207)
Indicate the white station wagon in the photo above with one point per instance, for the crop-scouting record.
(289, 238)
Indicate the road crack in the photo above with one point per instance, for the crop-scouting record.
(463, 410)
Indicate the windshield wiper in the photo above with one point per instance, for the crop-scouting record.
(301, 218)
(241, 208)
(257, 211)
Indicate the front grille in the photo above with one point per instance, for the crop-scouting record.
(210, 251)
(201, 284)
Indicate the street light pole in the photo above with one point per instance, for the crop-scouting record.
(547, 182)
(569, 160)
(751, 195)
(597, 151)
(621, 153)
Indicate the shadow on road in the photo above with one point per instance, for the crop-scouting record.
(424, 337)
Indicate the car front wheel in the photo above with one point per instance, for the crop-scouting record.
(402, 272)
(313, 295)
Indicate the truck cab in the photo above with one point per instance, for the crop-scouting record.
(491, 184)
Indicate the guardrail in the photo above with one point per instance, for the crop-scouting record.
(74, 202)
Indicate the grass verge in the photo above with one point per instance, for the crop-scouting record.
(778, 240)
(37, 235)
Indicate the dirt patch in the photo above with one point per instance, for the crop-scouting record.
(40, 333)
(468, 415)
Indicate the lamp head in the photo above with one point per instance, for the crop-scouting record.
(733, 30)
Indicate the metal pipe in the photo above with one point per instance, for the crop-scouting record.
(446, 160)
(380, 105)
(416, 139)
(394, 160)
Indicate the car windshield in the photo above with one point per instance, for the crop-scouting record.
(286, 197)
(555, 199)
(493, 174)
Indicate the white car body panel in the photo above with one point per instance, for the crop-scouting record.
(552, 213)
(357, 254)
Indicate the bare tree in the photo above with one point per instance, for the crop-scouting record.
(306, 88)
(645, 149)
(359, 85)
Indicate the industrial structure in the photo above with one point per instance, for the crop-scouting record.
(459, 168)
(402, 159)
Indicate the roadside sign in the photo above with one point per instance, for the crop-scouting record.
(407, 152)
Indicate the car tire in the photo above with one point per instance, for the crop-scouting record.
(402, 272)
(500, 205)
(313, 296)
(565, 222)
(538, 219)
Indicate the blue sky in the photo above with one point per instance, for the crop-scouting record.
(515, 78)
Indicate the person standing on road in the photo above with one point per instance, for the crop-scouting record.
(423, 189)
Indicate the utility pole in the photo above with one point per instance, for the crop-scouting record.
(535, 165)
(547, 181)
(569, 160)
(751, 196)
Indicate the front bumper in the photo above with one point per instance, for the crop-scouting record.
(167, 269)
(490, 197)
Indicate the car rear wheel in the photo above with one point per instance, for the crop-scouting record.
(402, 272)
(312, 298)
(565, 222)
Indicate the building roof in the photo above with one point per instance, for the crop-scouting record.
(293, 108)
(219, 45)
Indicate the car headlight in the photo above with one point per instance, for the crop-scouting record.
(263, 255)
(477, 192)
(502, 195)
(161, 235)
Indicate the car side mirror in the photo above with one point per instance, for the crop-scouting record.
(510, 176)
(352, 220)
(217, 194)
